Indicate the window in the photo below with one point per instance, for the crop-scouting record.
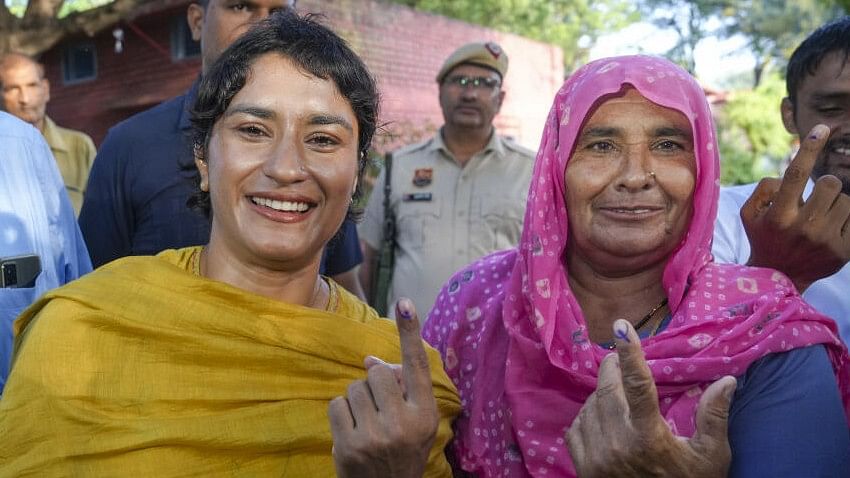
(182, 44)
(79, 63)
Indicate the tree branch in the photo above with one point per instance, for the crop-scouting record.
(40, 12)
(93, 21)
(5, 14)
(39, 34)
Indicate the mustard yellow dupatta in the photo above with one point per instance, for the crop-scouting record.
(144, 369)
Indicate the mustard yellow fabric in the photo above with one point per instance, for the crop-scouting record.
(143, 369)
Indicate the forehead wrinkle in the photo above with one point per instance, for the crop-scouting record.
(610, 131)
(601, 132)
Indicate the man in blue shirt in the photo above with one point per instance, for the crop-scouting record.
(36, 218)
(135, 203)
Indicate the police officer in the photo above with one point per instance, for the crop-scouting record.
(457, 196)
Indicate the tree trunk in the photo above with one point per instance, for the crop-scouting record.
(39, 29)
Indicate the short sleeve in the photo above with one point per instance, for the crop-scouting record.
(730, 244)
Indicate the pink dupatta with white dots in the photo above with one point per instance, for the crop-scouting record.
(513, 337)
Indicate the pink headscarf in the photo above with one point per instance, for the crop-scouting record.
(516, 308)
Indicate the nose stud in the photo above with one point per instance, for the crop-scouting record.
(652, 175)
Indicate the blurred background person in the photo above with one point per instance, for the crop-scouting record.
(25, 94)
(458, 195)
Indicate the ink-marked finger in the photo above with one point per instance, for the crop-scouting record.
(798, 171)
(638, 385)
(416, 371)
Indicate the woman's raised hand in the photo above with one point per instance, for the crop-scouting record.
(386, 424)
(620, 431)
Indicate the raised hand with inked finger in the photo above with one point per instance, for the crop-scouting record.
(807, 240)
(620, 430)
(386, 424)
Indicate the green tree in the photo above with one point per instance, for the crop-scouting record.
(753, 141)
(771, 28)
(571, 24)
(688, 19)
(33, 26)
(774, 28)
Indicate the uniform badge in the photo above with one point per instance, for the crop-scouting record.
(494, 49)
(422, 177)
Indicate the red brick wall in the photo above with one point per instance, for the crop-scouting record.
(128, 82)
(404, 49)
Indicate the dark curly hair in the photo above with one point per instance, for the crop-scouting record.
(309, 45)
(830, 38)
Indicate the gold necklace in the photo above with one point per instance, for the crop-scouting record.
(649, 315)
(644, 320)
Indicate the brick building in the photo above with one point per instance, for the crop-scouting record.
(94, 86)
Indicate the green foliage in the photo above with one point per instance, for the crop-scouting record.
(774, 28)
(71, 6)
(571, 24)
(688, 19)
(771, 28)
(753, 141)
(18, 7)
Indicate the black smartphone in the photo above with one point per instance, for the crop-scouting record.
(19, 271)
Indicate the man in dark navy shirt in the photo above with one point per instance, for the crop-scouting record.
(135, 203)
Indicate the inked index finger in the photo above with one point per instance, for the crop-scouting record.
(416, 372)
(638, 385)
(798, 171)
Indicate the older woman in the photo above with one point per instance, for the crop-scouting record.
(618, 226)
(222, 360)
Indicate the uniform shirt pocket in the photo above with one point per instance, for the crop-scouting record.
(417, 223)
(500, 222)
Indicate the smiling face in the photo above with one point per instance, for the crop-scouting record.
(629, 184)
(470, 107)
(281, 166)
(824, 97)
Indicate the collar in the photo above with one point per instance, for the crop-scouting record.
(185, 121)
(494, 144)
(53, 136)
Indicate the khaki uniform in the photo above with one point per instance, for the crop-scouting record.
(447, 216)
(74, 152)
